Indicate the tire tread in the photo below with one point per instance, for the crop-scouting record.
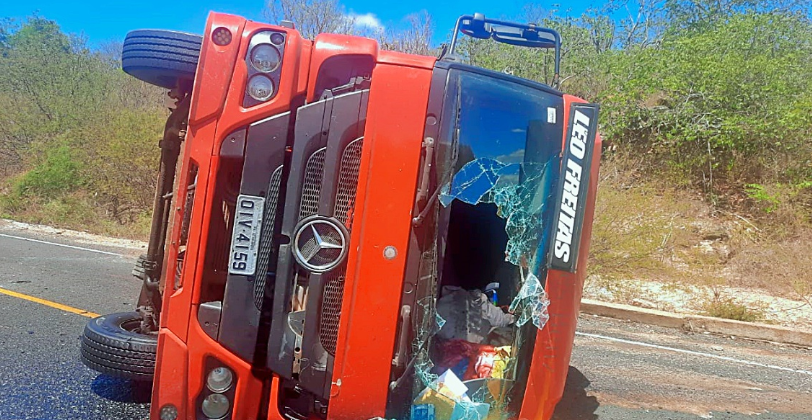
(109, 349)
(159, 57)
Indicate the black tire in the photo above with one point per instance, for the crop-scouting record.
(111, 346)
(161, 58)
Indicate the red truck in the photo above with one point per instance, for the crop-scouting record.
(341, 232)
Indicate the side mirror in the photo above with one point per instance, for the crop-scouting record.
(475, 27)
(533, 36)
(522, 35)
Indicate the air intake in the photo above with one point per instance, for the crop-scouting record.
(266, 241)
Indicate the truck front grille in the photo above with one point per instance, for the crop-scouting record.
(325, 161)
(331, 311)
(348, 180)
(312, 184)
(334, 284)
(266, 241)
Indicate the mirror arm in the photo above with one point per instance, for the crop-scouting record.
(557, 74)
(456, 33)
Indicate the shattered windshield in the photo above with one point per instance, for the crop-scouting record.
(508, 139)
(498, 163)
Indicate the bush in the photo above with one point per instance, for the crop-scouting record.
(729, 308)
(725, 104)
(79, 137)
(58, 174)
(122, 170)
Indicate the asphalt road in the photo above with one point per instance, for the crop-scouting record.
(619, 370)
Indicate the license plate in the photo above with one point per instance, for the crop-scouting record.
(245, 238)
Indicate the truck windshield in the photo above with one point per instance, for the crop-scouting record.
(505, 149)
(498, 163)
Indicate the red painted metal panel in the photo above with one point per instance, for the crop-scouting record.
(388, 178)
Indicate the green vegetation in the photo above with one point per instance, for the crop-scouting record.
(729, 308)
(706, 112)
(715, 94)
(77, 136)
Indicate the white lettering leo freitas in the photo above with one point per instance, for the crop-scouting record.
(572, 187)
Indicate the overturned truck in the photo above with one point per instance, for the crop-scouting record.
(341, 232)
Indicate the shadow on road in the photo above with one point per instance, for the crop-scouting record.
(576, 404)
(121, 390)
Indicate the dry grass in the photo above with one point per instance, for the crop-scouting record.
(729, 308)
(650, 231)
(76, 211)
(783, 267)
(638, 228)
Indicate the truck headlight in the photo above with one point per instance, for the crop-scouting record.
(260, 87)
(265, 58)
(263, 61)
(220, 379)
(215, 406)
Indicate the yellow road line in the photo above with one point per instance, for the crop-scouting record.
(59, 306)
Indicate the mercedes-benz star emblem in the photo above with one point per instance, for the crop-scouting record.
(320, 243)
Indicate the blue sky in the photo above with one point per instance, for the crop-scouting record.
(103, 20)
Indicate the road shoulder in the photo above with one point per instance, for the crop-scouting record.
(698, 323)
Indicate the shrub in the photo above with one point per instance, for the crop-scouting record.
(58, 174)
(729, 308)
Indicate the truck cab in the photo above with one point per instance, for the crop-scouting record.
(342, 232)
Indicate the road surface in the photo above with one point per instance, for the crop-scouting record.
(50, 286)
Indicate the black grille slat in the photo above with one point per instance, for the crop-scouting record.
(334, 286)
(348, 180)
(311, 189)
(219, 259)
(250, 158)
(266, 240)
(331, 310)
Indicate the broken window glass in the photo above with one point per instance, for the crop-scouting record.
(500, 146)
(531, 303)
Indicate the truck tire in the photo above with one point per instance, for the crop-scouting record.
(161, 58)
(111, 345)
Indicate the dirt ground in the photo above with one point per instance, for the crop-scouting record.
(666, 248)
(690, 299)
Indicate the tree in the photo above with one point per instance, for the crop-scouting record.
(587, 42)
(725, 101)
(312, 17)
(73, 122)
(416, 39)
(701, 14)
(644, 23)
